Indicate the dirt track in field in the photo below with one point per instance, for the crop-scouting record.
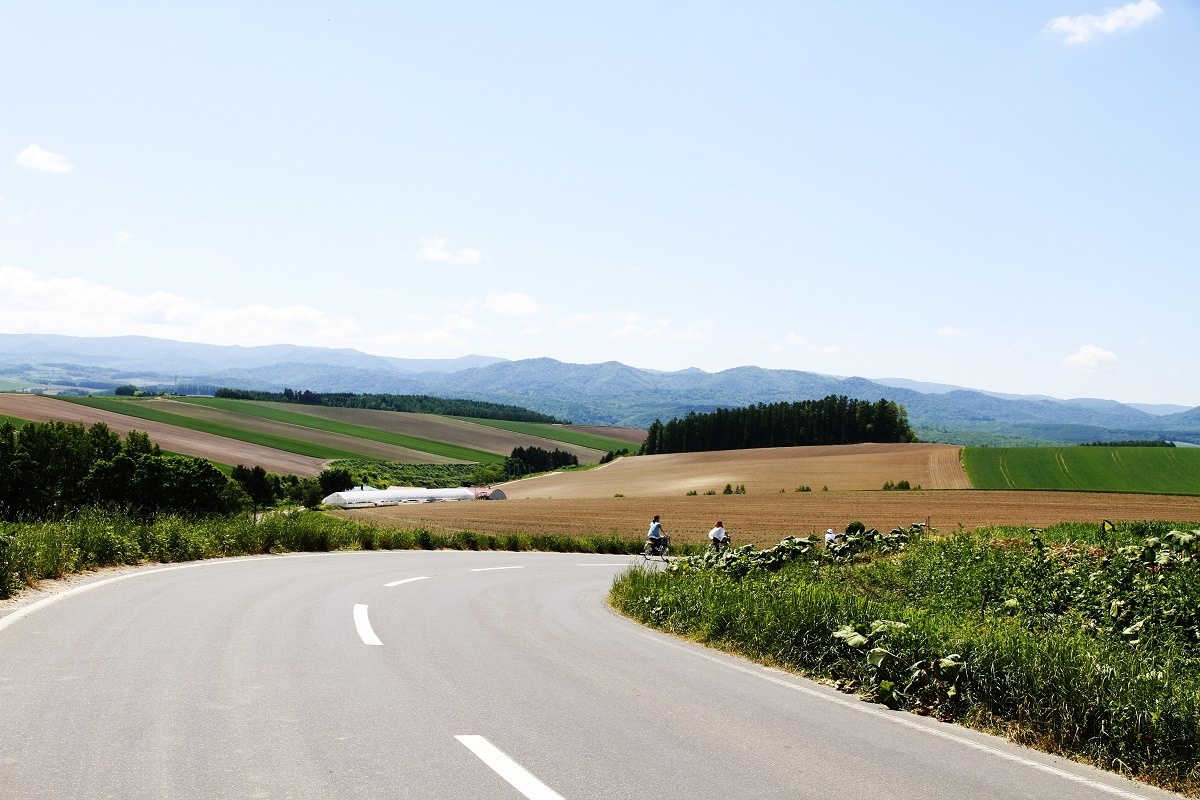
(584, 503)
(173, 439)
(442, 429)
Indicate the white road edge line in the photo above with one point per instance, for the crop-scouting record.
(493, 569)
(363, 625)
(516, 775)
(898, 718)
(25, 611)
(406, 580)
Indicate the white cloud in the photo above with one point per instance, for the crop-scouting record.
(795, 341)
(574, 322)
(34, 157)
(696, 333)
(1086, 27)
(122, 237)
(434, 248)
(636, 326)
(949, 330)
(1089, 358)
(79, 307)
(511, 304)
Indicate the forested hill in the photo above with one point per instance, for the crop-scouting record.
(413, 403)
(831, 420)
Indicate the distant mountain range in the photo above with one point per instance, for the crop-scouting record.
(610, 393)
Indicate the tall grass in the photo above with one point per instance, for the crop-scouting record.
(931, 630)
(30, 552)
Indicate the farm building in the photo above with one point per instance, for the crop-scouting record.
(369, 496)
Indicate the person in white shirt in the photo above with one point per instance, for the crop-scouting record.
(830, 538)
(718, 538)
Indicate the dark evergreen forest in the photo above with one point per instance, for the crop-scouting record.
(835, 419)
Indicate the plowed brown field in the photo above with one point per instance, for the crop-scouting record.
(583, 503)
(168, 437)
(766, 470)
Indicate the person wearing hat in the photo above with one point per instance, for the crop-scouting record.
(830, 537)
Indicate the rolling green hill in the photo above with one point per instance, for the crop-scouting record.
(1148, 470)
(556, 433)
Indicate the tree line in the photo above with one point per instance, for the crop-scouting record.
(835, 419)
(55, 469)
(413, 403)
(50, 470)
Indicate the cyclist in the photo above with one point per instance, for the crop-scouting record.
(656, 537)
(717, 537)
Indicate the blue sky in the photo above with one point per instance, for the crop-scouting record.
(1003, 196)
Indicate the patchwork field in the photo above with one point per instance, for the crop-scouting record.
(443, 429)
(584, 503)
(174, 439)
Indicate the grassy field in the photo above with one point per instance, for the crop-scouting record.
(15, 421)
(138, 409)
(1149, 470)
(555, 433)
(270, 412)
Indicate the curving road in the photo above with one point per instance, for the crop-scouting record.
(443, 675)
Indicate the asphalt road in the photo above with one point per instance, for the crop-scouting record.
(443, 675)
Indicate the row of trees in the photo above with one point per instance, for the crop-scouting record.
(49, 470)
(835, 419)
(415, 403)
(527, 460)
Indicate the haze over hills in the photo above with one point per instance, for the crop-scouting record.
(609, 393)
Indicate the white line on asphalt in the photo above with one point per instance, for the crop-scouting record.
(506, 768)
(898, 718)
(25, 611)
(406, 580)
(364, 626)
(493, 569)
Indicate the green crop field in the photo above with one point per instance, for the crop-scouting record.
(263, 411)
(16, 422)
(138, 409)
(1148, 470)
(555, 433)
(7, 385)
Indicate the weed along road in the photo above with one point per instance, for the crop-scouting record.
(448, 675)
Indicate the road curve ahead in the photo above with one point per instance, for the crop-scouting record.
(443, 675)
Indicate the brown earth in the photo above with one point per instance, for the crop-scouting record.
(443, 429)
(169, 437)
(764, 470)
(585, 503)
(631, 435)
(367, 448)
(765, 519)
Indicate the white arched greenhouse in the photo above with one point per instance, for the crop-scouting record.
(369, 496)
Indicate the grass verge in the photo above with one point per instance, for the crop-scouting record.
(1025, 636)
(35, 551)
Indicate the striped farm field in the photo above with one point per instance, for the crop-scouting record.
(1150, 470)
(145, 410)
(563, 433)
(433, 427)
(285, 420)
(171, 438)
